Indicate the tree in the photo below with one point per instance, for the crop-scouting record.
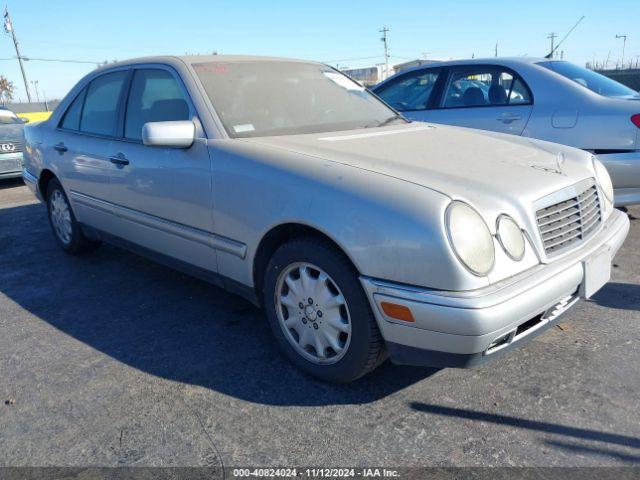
(6, 90)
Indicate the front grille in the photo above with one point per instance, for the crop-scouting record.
(10, 146)
(569, 222)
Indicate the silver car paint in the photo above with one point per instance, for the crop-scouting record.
(562, 112)
(380, 194)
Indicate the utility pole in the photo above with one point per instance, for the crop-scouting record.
(624, 45)
(35, 85)
(552, 36)
(8, 27)
(384, 32)
(496, 53)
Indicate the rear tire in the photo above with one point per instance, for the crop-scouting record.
(319, 313)
(65, 227)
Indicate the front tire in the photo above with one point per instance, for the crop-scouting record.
(65, 227)
(319, 312)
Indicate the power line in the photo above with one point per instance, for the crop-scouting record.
(62, 60)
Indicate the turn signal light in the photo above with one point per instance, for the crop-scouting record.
(636, 120)
(398, 312)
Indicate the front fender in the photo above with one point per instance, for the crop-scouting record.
(390, 228)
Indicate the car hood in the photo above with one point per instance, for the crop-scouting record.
(11, 132)
(486, 169)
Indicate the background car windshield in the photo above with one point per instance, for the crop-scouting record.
(256, 99)
(8, 118)
(589, 79)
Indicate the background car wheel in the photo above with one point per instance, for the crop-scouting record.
(319, 312)
(66, 229)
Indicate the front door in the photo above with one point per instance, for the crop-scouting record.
(484, 97)
(162, 196)
(412, 93)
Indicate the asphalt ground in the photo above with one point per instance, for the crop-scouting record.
(112, 360)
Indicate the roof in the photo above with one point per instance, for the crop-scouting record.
(503, 61)
(190, 59)
(498, 60)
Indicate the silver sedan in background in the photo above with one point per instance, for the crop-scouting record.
(550, 100)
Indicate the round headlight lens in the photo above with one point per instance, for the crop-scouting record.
(603, 177)
(470, 238)
(511, 237)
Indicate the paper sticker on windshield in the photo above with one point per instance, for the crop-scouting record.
(343, 81)
(247, 127)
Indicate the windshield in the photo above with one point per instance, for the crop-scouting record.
(8, 118)
(590, 79)
(262, 98)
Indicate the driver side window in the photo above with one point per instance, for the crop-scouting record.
(155, 96)
(411, 91)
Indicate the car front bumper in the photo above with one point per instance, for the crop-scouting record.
(10, 165)
(461, 329)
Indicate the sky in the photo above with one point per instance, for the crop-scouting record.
(344, 32)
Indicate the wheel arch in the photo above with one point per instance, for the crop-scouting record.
(279, 235)
(46, 176)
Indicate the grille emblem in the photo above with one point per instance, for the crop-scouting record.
(560, 160)
(7, 147)
(559, 166)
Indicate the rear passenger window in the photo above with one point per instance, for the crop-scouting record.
(155, 96)
(101, 104)
(71, 120)
(484, 86)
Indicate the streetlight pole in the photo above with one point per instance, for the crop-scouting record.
(8, 27)
(624, 45)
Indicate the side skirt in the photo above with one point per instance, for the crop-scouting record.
(214, 278)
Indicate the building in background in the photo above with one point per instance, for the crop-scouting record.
(413, 63)
(367, 76)
(374, 74)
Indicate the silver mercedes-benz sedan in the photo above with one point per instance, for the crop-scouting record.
(552, 100)
(362, 235)
(11, 140)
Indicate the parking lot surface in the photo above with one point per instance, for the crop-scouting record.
(110, 359)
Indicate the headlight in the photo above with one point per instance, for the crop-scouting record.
(470, 238)
(511, 237)
(603, 178)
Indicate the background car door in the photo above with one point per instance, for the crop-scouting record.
(80, 146)
(411, 93)
(162, 196)
(485, 97)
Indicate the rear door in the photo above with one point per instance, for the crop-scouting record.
(80, 147)
(412, 93)
(487, 97)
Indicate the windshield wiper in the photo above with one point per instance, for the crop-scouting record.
(397, 116)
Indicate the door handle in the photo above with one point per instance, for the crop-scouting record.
(509, 118)
(60, 148)
(119, 159)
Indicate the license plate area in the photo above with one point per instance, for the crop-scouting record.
(10, 165)
(597, 272)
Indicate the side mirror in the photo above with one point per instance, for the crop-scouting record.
(24, 119)
(180, 134)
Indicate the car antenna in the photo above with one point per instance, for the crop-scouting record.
(550, 55)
